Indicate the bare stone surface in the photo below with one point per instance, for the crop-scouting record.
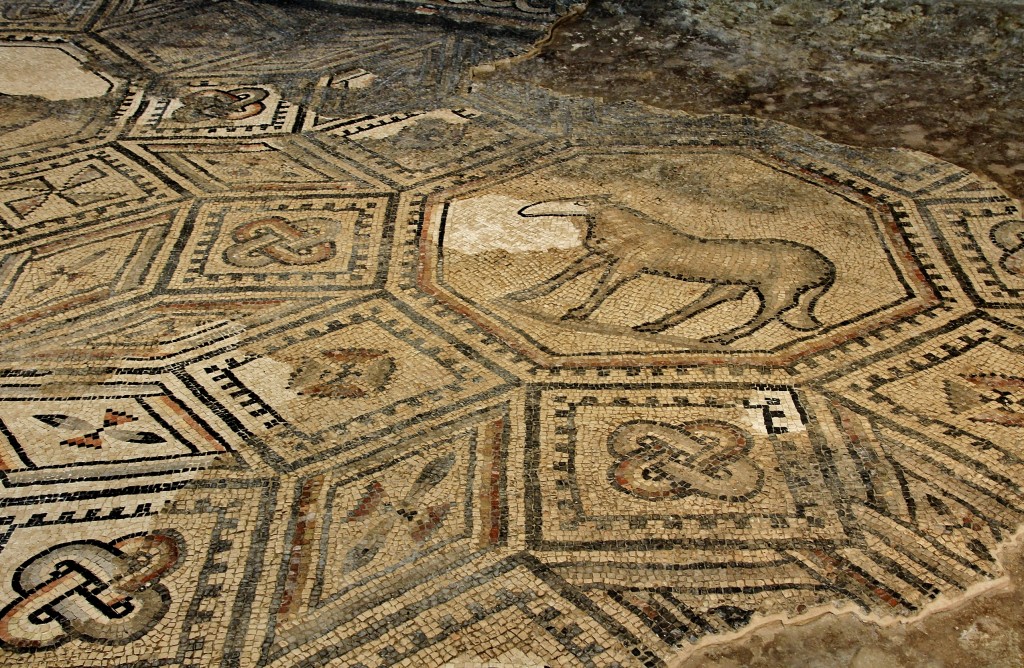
(983, 630)
(47, 72)
(936, 76)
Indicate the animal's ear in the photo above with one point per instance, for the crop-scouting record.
(527, 211)
(555, 207)
(584, 200)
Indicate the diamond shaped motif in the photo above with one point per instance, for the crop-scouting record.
(307, 388)
(263, 165)
(80, 271)
(59, 431)
(973, 372)
(413, 507)
(413, 148)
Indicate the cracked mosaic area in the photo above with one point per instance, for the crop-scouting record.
(318, 352)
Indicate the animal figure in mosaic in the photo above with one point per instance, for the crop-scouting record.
(787, 277)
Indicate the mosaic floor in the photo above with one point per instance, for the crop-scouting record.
(319, 351)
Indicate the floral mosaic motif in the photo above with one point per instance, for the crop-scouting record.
(382, 514)
(112, 427)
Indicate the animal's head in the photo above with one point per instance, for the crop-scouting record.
(583, 205)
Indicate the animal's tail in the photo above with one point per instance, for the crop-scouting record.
(801, 315)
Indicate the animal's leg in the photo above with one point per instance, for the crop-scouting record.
(714, 296)
(771, 306)
(618, 273)
(801, 316)
(577, 268)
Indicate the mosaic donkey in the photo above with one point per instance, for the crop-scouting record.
(787, 277)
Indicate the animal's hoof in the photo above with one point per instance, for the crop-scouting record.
(575, 315)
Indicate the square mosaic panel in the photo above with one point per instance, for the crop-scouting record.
(73, 189)
(83, 588)
(411, 148)
(309, 244)
(675, 466)
(353, 374)
(204, 109)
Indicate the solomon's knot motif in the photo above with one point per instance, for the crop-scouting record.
(276, 240)
(1009, 236)
(662, 461)
(102, 592)
(228, 105)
